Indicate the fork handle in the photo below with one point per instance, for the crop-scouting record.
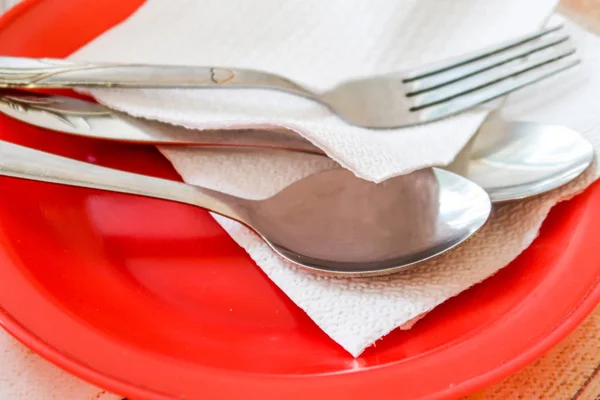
(20, 72)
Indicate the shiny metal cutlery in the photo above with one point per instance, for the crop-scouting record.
(330, 222)
(509, 160)
(406, 98)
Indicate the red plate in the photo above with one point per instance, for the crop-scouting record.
(152, 300)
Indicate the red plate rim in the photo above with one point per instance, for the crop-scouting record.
(38, 345)
(502, 369)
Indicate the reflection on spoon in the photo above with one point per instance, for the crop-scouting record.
(363, 223)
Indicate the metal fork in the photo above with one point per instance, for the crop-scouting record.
(412, 97)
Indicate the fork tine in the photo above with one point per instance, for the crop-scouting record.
(490, 77)
(498, 90)
(495, 60)
(446, 65)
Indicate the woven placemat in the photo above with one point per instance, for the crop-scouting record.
(570, 371)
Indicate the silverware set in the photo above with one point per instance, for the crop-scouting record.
(330, 222)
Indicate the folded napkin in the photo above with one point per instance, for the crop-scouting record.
(319, 43)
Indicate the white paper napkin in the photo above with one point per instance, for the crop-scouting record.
(353, 312)
(318, 44)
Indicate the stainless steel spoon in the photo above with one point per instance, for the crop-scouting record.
(517, 160)
(329, 222)
(510, 160)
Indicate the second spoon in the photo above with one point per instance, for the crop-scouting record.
(509, 160)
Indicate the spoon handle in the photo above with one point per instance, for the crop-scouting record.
(23, 162)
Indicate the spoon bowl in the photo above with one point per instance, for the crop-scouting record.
(517, 160)
(333, 222)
